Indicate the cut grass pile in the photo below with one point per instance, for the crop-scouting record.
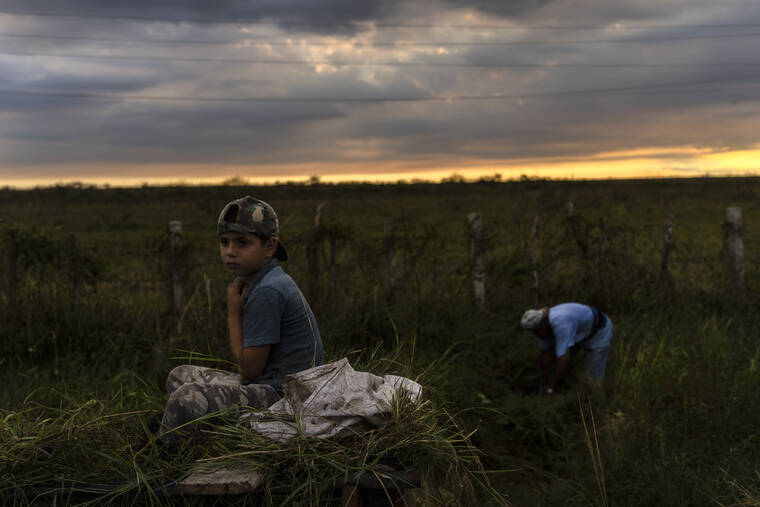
(97, 451)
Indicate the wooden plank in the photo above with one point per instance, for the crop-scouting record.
(219, 482)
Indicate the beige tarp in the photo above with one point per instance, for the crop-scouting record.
(331, 401)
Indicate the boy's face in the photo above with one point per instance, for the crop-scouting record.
(244, 254)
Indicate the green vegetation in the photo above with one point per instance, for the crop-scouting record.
(88, 337)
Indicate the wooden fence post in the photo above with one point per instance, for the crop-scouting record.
(532, 261)
(667, 247)
(14, 311)
(602, 244)
(579, 230)
(478, 271)
(334, 237)
(176, 244)
(735, 250)
(76, 267)
(390, 257)
(312, 256)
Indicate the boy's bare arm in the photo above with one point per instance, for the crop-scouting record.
(252, 360)
(235, 294)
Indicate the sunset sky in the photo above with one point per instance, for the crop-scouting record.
(193, 91)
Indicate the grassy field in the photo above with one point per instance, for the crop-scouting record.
(88, 336)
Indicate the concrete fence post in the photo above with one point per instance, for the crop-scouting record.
(176, 243)
(477, 267)
(735, 250)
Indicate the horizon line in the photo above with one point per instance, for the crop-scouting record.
(316, 180)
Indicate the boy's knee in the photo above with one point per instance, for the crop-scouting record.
(179, 375)
(185, 404)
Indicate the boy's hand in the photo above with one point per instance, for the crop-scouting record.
(235, 295)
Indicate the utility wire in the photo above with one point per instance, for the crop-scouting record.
(262, 19)
(401, 43)
(266, 61)
(337, 100)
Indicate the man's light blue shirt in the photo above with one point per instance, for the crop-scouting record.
(571, 324)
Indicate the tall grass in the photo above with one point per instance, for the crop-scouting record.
(83, 374)
(105, 449)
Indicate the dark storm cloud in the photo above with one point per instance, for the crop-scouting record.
(163, 133)
(324, 16)
(339, 15)
(647, 96)
(325, 12)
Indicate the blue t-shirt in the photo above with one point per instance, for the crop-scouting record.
(276, 313)
(571, 323)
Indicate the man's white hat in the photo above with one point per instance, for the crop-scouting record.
(532, 318)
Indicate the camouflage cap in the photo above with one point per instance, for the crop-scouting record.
(251, 215)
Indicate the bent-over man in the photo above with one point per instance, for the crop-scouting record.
(562, 331)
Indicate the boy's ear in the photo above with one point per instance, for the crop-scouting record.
(271, 245)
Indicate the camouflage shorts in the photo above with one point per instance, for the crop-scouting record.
(195, 391)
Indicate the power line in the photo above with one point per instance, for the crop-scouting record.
(591, 92)
(267, 61)
(384, 44)
(247, 21)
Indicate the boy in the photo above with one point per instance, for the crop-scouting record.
(272, 329)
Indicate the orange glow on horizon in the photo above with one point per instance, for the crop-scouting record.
(682, 161)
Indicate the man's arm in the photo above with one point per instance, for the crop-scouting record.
(563, 365)
(545, 360)
(251, 360)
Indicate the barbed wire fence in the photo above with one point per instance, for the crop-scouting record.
(408, 263)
